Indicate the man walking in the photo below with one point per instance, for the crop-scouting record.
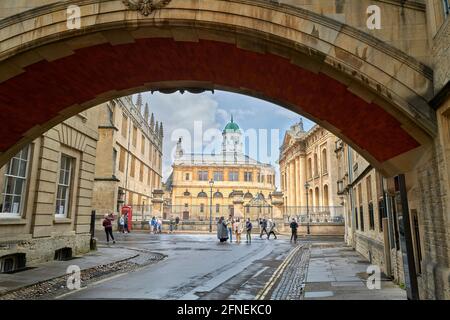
(108, 227)
(272, 229)
(248, 228)
(294, 227)
(263, 227)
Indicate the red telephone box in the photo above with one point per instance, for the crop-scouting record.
(127, 210)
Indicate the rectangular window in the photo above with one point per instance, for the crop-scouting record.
(187, 177)
(141, 171)
(202, 208)
(124, 125)
(217, 208)
(203, 175)
(134, 136)
(12, 199)
(248, 176)
(218, 175)
(143, 144)
(122, 157)
(356, 219)
(149, 177)
(114, 157)
(371, 217)
(150, 152)
(64, 186)
(381, 214)
(361, 217)
(369, 188)
(233, 176)
(132, 166)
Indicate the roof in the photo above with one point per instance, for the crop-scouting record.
(231, 126)
(222, 159)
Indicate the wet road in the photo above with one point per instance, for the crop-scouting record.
(196, 267)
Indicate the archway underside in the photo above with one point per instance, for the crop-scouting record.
(50, 91)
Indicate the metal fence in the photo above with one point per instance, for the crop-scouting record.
(315, 214)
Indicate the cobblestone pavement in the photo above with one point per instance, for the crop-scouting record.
(292, 282)
(55, 287)
(327, 271)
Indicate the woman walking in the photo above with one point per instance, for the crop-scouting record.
(249, 227)
(222, 231)
(107, 224)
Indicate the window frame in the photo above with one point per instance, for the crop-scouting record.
(68, 186)
(25, 178)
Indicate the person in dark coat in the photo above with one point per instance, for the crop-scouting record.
(263, 226)
(222, 231)
(294, 227)
(107, 224)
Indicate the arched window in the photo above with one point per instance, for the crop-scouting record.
(248, 195)
(324, 161)
(317, 197)
(186, 193)
(316, 165)
(202, 194)
(218, 194)
(309, 169)
(325, 196)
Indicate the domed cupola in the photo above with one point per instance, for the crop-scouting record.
(232, 138)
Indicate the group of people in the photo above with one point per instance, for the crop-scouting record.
(107, 224)
(226, 229)
(155, 225)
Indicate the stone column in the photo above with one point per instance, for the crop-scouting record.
(302, 180)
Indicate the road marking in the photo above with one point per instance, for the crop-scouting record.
(276, 275)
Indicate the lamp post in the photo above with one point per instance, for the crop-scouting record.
(211, 184)
(307, 208)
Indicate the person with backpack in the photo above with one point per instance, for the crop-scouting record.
(294, 227)
(107, 224)
(248, 229)
(272, 229)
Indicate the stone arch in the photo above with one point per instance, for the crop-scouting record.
(303, 54)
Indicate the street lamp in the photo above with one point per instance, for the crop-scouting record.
(211, 184)
(307, 208)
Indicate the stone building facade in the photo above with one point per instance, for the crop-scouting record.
(46, 195)
(129, 157)
(243, 187)
(307, 159)
(372, 225)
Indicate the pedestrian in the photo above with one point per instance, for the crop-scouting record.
(272, 229)
(238, 230)
(294, 227)
(159, 225)
(125, 225)
(171, 223)
(222, 232)
(107, 224)
(263, 227)
(230, 223)
(122, 223)
(248, 229)
(177, 221)
(153, 225)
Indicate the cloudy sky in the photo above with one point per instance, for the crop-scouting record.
(200, 118)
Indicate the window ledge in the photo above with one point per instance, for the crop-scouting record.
(12, 221)
(62, 220)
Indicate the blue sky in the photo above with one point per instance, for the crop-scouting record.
(178, 112)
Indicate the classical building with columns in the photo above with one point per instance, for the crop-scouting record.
(241, 186)
(307, 166)
(129, 157)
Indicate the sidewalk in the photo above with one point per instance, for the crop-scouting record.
(54, 269)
